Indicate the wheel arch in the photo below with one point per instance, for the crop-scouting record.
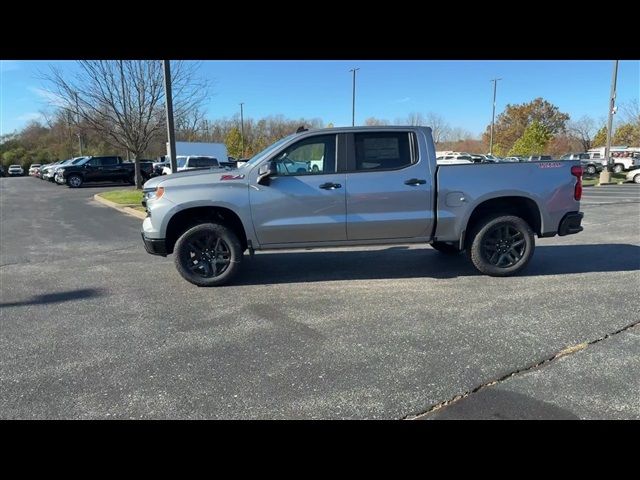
(191, 216)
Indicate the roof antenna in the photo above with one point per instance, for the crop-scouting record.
(301, 129)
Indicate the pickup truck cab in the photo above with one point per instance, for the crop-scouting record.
(101, 169)
(374, 185)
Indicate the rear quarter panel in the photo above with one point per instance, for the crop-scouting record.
(549, 184)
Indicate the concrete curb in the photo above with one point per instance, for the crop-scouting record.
(120, 207)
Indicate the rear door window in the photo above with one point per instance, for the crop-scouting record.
(382, 151)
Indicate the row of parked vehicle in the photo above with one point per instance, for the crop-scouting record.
(74, 172)
(591, 164)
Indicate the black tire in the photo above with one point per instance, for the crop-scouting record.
(446, 248)
(509, 237)
(74, 181)
(208, 239)
(131, 180)
(617, 168)
(591, 170)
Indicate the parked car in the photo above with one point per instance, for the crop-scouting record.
(539, 158)
(15, 171)
(634, 175)
(190, 162)
(2, 172)
(590, 166)
(33, 167)
(511, 159)
(454, 159)
(381, 186)
(52, 173)
(100, 169)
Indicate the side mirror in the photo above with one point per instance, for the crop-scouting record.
(265, 172)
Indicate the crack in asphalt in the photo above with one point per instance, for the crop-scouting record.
(562, 353)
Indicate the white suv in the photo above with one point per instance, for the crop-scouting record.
(15, 171)
(192, 161)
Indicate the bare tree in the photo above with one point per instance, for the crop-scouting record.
(373, 121)
(439, 127)
(631, 111)
(583, 130)
(123, 99)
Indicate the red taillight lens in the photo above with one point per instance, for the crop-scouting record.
(576, 171)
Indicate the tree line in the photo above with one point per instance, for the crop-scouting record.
(117, 107)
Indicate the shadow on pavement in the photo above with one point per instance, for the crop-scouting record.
(60, 297)
(400, 262)
(497, 404)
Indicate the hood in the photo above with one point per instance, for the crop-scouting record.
(210, 175)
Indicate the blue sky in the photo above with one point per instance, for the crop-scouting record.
(460, 91)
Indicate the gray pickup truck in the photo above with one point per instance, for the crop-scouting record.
(358, 186)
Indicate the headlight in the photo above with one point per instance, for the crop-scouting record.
(153, 193)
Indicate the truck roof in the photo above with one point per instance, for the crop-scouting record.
(364, 128)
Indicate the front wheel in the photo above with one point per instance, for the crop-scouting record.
(208, 255)
(617, 168)
(501, 245)
(74, 181)
(446, 248)
(591, 170)
(636, 179)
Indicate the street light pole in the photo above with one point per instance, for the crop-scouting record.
(493, 114)
(166, 64)
(353, 98)
(605, 174)
(241, 131)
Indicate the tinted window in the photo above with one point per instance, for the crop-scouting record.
(199, 162)
(311, 156)
(382, 151)
(107, 161)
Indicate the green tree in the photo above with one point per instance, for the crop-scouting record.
(534, 140)
(600, 138)
(515, 119)
(627, 134)
(233, 140)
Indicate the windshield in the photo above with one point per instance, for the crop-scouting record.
(82, 161)
(181, 161)
(78, 160)
(266, 151)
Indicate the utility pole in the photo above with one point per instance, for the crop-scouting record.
(78, 123)
(493, 113)
(353, 98)
(241, 131)
(605, 174)
(166, 64)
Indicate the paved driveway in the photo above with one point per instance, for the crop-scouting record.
(93, 327)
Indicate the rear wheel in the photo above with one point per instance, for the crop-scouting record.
(591, 170)
(501, 245)
(208, 255)
(617, 168)
(446, 248)
(636, 179)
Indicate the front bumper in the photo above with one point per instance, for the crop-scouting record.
(570, 224)
(154, 246)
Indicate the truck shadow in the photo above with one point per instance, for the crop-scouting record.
(398, 262)
(68, 296)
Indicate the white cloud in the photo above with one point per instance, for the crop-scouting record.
(403, 100)
(50, 97)
(31, 116)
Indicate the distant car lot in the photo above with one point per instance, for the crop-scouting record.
(93, 327)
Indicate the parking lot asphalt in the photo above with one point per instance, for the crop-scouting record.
(93, 327)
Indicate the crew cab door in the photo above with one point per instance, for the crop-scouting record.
(112, 168)
(389, 187)
(305, 200)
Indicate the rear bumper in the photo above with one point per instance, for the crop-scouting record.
(154, 246)
(570, 224)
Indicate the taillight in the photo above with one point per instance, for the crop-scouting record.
(576, 171)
